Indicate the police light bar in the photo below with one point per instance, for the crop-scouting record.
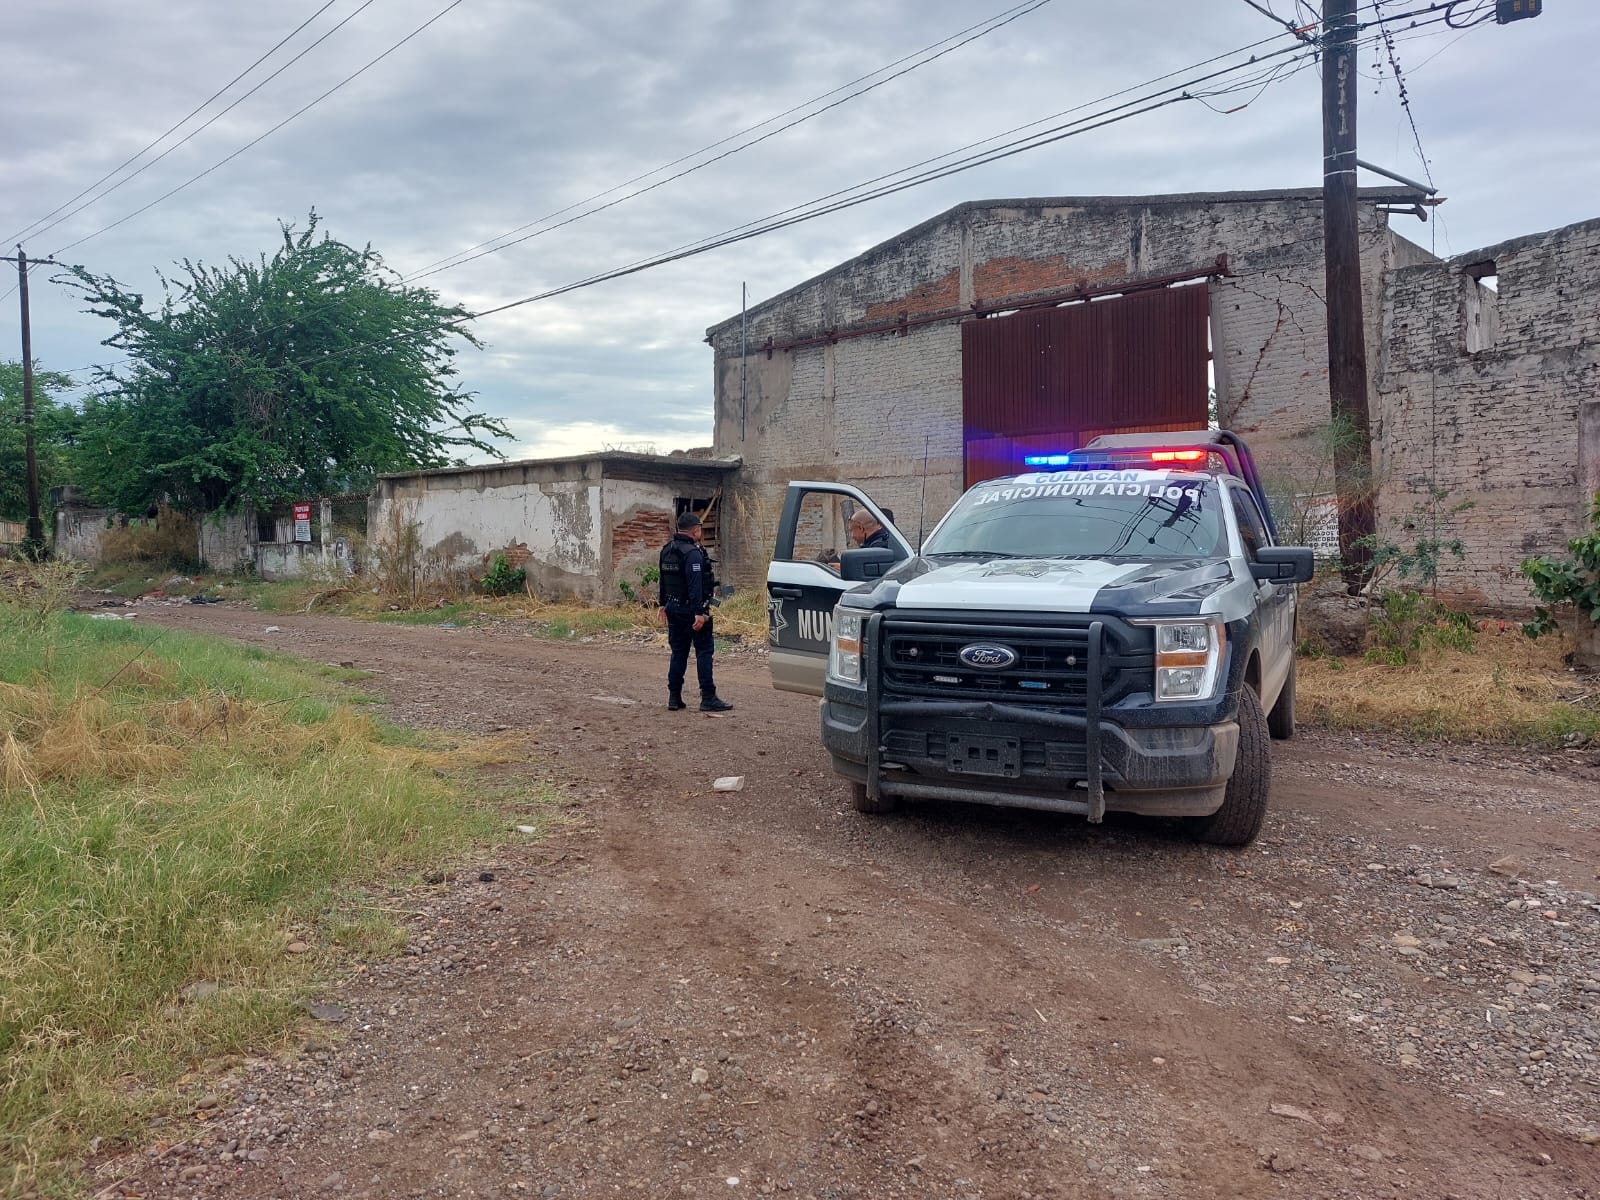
(1103, 458)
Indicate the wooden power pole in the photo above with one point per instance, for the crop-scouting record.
(33, 544)
(1347, 346)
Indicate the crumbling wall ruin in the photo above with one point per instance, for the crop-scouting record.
(1486, 427)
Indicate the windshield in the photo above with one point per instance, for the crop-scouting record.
(1087, 514)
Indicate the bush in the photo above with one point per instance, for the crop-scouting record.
(1574, 580)
(502, 578)
(1404, 623)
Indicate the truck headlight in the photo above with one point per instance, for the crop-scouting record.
(844, 653)
(1188, 659)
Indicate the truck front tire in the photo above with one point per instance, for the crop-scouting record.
(865, 803)
(1244, 804)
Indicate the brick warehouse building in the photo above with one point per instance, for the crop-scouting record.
(1006, 327)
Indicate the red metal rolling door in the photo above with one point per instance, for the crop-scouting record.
(1047, 380)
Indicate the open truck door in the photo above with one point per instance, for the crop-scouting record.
(805, 579)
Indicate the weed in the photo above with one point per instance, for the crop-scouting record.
(38, 593)
(502, 579)
(1571, 582)
(1406, 622)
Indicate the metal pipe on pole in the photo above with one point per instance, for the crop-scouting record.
(1347, 348)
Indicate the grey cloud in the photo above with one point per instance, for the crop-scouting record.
(506, 110)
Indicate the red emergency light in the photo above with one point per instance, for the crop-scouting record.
(1178, 455)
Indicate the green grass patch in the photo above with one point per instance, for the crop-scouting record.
(449, 614)
(177, 810)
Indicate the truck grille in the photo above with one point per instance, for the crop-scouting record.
(924, 658)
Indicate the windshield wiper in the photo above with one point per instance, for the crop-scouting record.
(973, 554)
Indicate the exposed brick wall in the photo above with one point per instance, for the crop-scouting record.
(1015, 275)
(640, 536)
(1496, 430)
(940, 295)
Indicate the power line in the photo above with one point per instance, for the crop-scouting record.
(1299, 32)
(917, 59)
(918, 165)
(179, 124)
(1405, 99)
(756, 229)
(193, 133)
(981, 29)
(902, 179)
(827, 205)
(261, 138)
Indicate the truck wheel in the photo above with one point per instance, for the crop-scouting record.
(1244, 803)
(865, 804)
(1280, 721)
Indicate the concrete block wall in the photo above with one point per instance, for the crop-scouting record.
(227, 540)
(78, 529)
(460, 518)
(576, 525)
(1498, 428)
(863, 409)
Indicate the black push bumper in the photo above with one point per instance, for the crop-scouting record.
(1019, 755)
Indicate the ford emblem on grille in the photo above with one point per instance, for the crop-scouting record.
(986, 656)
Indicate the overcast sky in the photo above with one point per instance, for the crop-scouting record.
(503, 111)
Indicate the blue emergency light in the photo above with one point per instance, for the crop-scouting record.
(1048, 460)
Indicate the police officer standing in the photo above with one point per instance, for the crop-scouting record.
(687, 586)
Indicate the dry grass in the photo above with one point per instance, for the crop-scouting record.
(176, 809)
(171, 541)
(744, 616)
(1507, 689)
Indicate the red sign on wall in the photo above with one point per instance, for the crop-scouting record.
(302, 522)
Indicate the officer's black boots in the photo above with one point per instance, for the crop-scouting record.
(714, 703)
(675, 701)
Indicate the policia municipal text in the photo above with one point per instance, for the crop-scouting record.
(688, 589)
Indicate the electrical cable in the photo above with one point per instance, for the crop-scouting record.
(193, 133)
(194, 112)
(992, 23)
(1265, 11)
(263, 137)
(435, 268)
(1405, 99)
(844, 199)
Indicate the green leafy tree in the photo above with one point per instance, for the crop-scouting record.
(303, 374)
(54, 430)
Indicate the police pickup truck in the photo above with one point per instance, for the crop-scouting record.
(1114, 629)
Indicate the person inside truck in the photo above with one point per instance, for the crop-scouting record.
(866, 532)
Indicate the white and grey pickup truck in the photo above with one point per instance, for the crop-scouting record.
(1112, 630)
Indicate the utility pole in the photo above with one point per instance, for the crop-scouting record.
(1347, 347)
(33, 541)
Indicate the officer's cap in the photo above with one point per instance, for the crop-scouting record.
(688, 521)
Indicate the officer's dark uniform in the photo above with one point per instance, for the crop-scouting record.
(878, 539)
(687, 585)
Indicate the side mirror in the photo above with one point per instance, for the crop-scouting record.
(1284, 564)
(869, 563)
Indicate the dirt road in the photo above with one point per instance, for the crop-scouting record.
(698, 993)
